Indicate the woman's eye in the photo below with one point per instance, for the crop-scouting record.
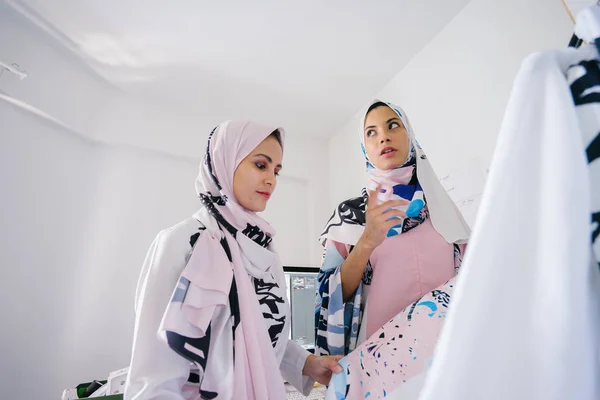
(260, 166)
(370, 133)
(394, 125)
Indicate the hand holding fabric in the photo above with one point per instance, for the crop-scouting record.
(320, 368)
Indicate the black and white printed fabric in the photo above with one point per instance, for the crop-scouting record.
(584, 80)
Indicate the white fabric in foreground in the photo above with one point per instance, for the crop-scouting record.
(525, 318)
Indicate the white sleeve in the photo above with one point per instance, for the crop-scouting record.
(156, 371)
(292, 365)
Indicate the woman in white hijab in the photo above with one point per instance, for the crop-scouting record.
(212, 319)
(400, 241)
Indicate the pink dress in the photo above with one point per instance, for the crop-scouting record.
(406, 304)
(405, 267)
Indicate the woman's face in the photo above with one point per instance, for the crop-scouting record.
(255, 179)
(386, 139)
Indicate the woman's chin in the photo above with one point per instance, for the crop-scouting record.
(389, 164)
(258, 205)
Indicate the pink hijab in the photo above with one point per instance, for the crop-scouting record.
(228, 144)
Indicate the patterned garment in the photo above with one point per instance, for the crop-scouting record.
(584, 80)
(397, 352)
(399, 184)
(197, 350)
(331, 339)
(353, 212)
(269, 293)
(271, 305)
(353, 309)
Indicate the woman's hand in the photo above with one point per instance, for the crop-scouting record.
(320, 368)
(379, 220)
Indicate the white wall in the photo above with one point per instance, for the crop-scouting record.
(138, 193)
(77, 219)
(456, 89)
(48, 179)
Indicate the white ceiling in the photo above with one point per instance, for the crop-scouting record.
(308, 65)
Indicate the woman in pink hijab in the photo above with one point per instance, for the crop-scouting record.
(212, 319)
